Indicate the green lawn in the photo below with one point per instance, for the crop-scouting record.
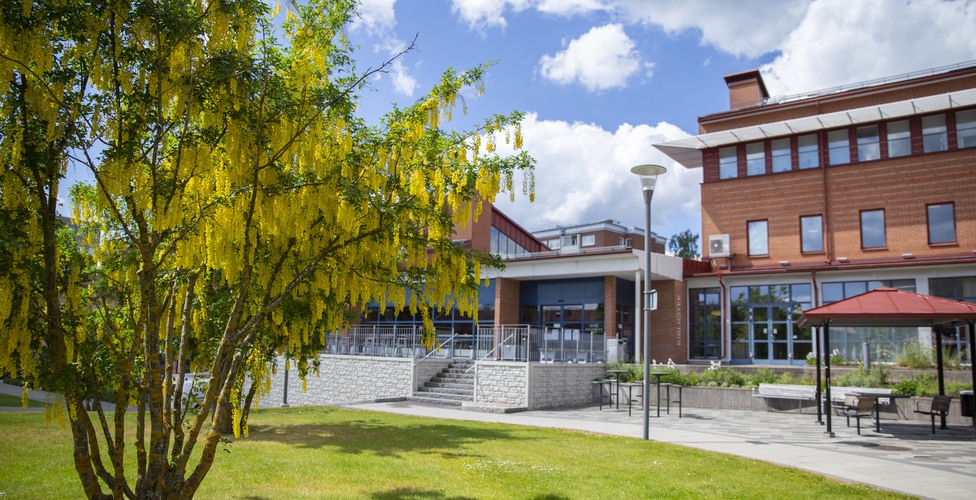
(8, 401)
(340, 453)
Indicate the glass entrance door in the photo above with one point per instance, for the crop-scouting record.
(763, 329)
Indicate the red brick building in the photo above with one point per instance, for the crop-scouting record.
(811, 199)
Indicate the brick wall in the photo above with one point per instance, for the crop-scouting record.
(669, 337)
(902, 187)
(506, 301)
(610, 306)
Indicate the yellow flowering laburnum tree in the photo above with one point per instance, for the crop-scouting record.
(238, 210)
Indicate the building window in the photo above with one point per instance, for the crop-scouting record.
(966, 128)
(811, 233)
(886, 344)
(764, 323)
(934, 137)
(782, 158)
(705, 323)
(627, 242)
(839, 147)
(553, 244)
(589, 240)
(728, 163)
(868, 143)
(942, 223)
(956, 340)
(755, 158)
(899, 139)
(873, 229)
(808, 152)
(758, 237)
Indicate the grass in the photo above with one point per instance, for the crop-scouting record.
(14, 401)
(341, 453)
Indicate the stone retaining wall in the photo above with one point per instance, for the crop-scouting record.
(562, 385)
(503, 384)
(344, 379)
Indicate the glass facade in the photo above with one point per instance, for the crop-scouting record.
(956, 341)
(885, 343)
(764, 328)
(504, 246)
(705, 323)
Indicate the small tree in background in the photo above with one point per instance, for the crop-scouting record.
(684, 244)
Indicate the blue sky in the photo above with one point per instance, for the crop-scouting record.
(603, 80)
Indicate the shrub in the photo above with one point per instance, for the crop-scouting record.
(916, 355)
(863, 377)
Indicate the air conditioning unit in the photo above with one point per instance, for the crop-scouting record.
(718, 245)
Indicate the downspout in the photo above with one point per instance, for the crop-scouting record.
(828, 234)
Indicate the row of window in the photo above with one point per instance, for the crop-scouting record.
(764, 329)
(941, 223)
(871, 142)
(501, 244)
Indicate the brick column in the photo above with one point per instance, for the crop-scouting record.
(610, 306)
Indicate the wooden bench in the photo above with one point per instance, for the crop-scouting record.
(938, 406)
(858, 408)
(786, 391)
(838, 393)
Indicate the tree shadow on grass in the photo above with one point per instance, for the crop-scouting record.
(404, 493)
(379, 437)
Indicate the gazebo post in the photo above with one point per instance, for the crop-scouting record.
(819, 348)
(939, 365)
(972, 366)
(827, 401)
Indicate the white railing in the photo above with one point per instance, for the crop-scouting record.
(504, 343)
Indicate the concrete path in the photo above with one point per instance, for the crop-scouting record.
(903, 457)
(42, 396)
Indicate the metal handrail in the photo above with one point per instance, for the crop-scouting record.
(492, 351)
(438, 349)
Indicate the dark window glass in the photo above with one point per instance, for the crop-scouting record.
(966, 128)
(873, 229)
(942, 223)
(811, 233)
(782, 159)
(808, 152)
(934, 137)
(838, 147)
(899, 139)
(728, 163)
(755, 158)
(868, 143)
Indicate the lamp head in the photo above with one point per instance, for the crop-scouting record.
(648, 177)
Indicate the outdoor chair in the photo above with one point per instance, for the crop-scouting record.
(939, 406)
(858, 408)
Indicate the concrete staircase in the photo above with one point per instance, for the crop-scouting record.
(452, 386)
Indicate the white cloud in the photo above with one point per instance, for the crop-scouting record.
(747, 28)
(841, 42)
(376, 16)
(569, 7)
(583, 175)
(483, 14)
(403, 83)
(602, 58)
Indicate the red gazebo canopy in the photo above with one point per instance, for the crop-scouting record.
(891, 307)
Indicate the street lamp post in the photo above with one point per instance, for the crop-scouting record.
(648, 177)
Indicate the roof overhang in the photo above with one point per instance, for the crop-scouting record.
(687, 152)
(620, 264)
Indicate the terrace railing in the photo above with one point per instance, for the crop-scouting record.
(504, 342)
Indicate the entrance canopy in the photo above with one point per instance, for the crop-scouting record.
(891, 307)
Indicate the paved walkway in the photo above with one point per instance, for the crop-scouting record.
(903, 457)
